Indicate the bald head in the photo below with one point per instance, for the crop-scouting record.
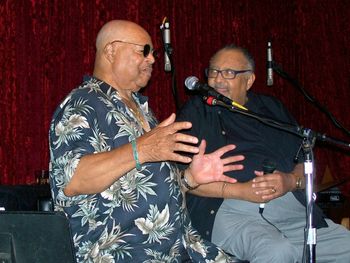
(117, 30)
(120, 60)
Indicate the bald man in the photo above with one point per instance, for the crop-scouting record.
(112, 164)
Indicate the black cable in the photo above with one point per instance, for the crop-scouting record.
(261, 210)
(309, 97)
(173, 84)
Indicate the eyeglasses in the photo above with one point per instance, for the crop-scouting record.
(225, 73)
(146, 48)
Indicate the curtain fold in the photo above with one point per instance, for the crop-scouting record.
(47, 46)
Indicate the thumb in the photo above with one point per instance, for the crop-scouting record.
(259, 173)
(168, 120)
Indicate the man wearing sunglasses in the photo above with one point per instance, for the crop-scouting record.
(230, 214)
(112, 170)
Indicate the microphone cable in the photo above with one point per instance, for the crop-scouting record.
(278, 69)
(261, 211)
(268, 167)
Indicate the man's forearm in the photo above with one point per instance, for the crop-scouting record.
(96, 172)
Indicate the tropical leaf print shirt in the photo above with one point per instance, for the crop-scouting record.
(141, 217)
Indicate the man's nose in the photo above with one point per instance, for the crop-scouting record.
(150, 58)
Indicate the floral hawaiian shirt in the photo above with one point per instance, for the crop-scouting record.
(142, 216)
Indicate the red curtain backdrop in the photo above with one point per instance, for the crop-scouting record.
(47, 46)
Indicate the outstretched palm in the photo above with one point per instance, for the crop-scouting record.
(207, 168)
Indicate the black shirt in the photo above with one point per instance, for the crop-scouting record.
(255, 140)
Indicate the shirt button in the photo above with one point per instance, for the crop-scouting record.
(223, 132)
(207, 233)
(212, 212)
(219, 112)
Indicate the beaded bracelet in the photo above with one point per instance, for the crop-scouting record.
(136, 155)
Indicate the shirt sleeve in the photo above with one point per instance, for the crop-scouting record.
(74, 133)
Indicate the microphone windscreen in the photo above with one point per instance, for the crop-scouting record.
(191, 82)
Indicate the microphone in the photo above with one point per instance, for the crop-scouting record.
(268, 167)
(166, 40)
(192, 83)
(269, 64)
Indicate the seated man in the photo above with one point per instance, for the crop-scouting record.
(229, 213)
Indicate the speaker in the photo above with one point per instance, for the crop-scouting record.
(35, 237)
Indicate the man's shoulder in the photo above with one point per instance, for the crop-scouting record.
(270, 106)
(89, 90)
(266, 98)
(194, 100)
(261, 101)
(84, 97)
(194, 106)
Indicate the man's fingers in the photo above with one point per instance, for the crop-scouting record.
(181, 147)
(232, 159)
(202, 147)
(228, 179)
(168, 121)
(180, 158)
(177, 126)
(180, 137)
(221, 151)
(259, 173)
(232, 167)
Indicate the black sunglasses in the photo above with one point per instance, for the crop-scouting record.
(146, 48)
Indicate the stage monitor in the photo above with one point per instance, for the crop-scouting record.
(35, 237)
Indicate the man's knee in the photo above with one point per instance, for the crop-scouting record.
(281, 251)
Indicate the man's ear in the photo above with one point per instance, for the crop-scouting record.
(250, 81)
(109, 53)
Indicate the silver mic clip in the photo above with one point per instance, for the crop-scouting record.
(165, 28)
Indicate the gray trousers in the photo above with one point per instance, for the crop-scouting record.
(240, 230)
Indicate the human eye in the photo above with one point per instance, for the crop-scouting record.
(230, 73)
(140, 51)
(212, 72)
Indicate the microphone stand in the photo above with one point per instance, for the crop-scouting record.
(169, 50)
(309, 139)
(310, 232)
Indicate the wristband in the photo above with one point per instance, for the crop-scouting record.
(136, 155)
(223, 189)
(185, 183)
